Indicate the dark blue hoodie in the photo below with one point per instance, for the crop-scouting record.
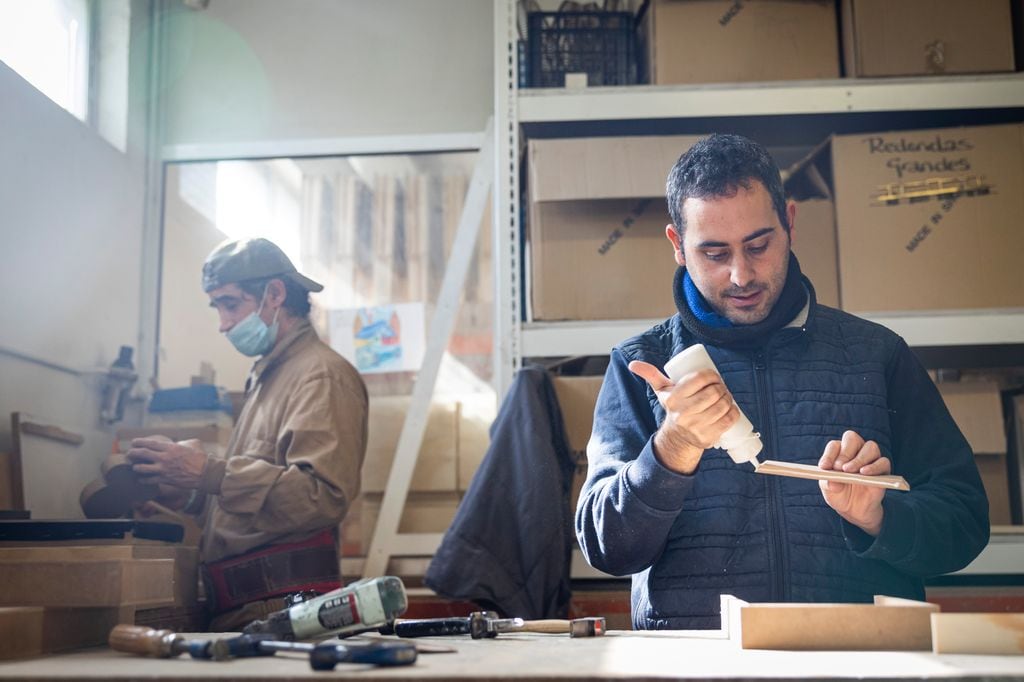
(688, 539)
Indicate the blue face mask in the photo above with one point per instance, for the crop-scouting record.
(252, 336)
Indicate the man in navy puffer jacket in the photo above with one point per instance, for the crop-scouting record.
(820, 386)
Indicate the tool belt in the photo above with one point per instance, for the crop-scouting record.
(273, 571)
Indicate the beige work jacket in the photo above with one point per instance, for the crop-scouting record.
(293, 464)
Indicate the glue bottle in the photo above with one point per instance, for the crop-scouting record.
(739, 440)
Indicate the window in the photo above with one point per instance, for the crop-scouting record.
(47, 43)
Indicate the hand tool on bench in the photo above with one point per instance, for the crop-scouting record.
(135, 639)
(485, 624)
(322, 656)
(477, 625)
(326, 655)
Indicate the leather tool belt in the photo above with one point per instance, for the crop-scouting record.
(273, 571)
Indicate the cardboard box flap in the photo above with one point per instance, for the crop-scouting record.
(603, 167)
(811, 176)
(977, 408)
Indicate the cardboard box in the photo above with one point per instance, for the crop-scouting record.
(814, 243)
(435, 465)
(597, 227)
(930, 219)
(726, 41)
(921, 37)
(577, 397)
(976, 407)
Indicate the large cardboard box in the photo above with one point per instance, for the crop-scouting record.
(725, 41)
(976, 406)
(436, 462)
(814, 243)
(577, 397)
(920, 37)
(930, 219)
(597, 227)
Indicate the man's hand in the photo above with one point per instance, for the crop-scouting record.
(861, 505)
(160, 461)
(168, 498)
(698, 410)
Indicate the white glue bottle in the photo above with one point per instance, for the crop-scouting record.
(740, 440)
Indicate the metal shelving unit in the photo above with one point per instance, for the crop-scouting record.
(771, 99)
(955, 328)
(518, 110)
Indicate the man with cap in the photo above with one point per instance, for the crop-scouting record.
(269, 509)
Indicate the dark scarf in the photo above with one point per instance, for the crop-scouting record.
(707, 326)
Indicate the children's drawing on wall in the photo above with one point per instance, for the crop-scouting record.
(377, 339)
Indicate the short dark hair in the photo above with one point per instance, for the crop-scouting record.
(717, 166)
(296, 298)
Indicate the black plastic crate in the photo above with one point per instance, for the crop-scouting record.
(601, 44)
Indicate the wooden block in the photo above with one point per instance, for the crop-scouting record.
(795, 470)
(70, 583)
(888, 625)
(27, 631)
(185, 558)
(978, 633)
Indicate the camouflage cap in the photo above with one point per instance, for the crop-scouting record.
(245, 259)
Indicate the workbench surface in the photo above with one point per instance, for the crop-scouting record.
(521, 656)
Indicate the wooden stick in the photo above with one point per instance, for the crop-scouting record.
(794, 470)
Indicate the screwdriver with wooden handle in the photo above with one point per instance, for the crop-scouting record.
(135, 639)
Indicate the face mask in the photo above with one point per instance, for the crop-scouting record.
(252, 336)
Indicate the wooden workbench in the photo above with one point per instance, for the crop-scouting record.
(618, 656)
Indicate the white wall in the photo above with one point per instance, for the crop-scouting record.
(71, 212)
(257, 70)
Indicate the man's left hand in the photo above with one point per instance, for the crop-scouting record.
(159, 461)
(861, 505)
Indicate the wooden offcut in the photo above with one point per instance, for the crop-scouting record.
(795, 470)
(889, 624)
(27, 631)
(86, 583)
(978, 633)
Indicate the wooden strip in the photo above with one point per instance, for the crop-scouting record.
(52, 432)
(793, 470)
(978, 633)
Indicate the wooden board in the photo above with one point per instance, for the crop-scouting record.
(185, 584)
(27, 631)
(889, 624)
(791, 469)
(978, 633)
(118, 582)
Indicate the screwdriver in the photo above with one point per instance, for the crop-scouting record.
(134, 639)
(325, 655)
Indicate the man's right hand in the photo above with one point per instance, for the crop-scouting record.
(698, 410)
